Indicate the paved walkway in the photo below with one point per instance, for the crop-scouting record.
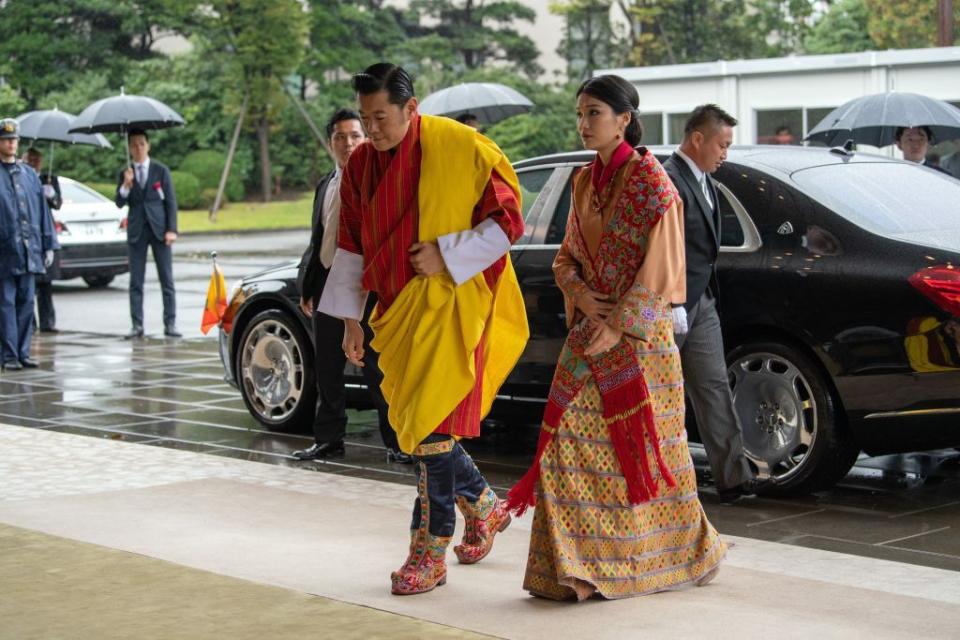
(338, 537)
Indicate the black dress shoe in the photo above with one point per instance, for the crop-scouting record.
(399, 457)
(320, 450)
(748, 489)
(11, 366)
(135, 332)
(171, 332)
(49, 330)
(29, 363)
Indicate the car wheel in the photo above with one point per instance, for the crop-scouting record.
(97, 282)
(273, 369)
(791, 429)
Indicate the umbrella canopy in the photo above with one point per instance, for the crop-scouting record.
(489, 101)
(874, 119)
(53, 126)
(125, 112)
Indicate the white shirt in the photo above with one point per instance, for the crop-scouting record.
(699, 174)
(124, 192)
(331, 220)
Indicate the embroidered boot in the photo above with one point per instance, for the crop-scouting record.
(414, 537)
(484, 519)
(425, 569)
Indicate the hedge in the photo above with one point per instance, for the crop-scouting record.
(188, 190)
(207, 166)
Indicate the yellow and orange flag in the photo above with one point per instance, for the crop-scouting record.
(216, 307)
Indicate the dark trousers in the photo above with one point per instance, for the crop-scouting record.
(16, 316)
(330, 420)
(46, 314)
(163, 256)
(706, 384)
(441, 478)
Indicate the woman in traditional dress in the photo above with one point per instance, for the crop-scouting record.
(617, 512)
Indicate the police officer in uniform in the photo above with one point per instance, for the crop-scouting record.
(27, 243)
(46, 313)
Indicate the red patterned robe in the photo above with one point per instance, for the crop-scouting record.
(379, 220)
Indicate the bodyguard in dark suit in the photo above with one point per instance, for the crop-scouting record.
(344, 133)
(147, 190)
(27, 243)
(707, 136)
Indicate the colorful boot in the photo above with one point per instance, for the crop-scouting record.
(484, 518)
(425, 569)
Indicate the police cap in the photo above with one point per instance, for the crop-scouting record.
(9, 128)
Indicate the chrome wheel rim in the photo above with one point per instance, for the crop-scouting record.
(778, 413)
(271, 370)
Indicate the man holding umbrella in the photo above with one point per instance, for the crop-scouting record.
(25, 251)
(147, 188)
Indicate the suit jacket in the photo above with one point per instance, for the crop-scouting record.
(701, 229)
(312, 274)
(147, 208)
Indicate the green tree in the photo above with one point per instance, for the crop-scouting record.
(481, 32)
(906, 24)
(45, 45)
(590, 39)
(261, 45)
(842, 29)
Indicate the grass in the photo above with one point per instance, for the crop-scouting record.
(250, 216)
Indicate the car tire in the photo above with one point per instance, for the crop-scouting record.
(274, 371)
(98, 282)
(793, 431)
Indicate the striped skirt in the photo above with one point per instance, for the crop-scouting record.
(587, 539)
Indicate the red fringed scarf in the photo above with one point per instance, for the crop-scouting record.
(627, 408)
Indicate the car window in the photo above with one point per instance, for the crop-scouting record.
(893, 199)
(558, 222)
(731, 230)
(531, 184)
(75, 193)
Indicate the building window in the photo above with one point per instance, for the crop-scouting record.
(652, 128)
(780, 126)
(675, 125)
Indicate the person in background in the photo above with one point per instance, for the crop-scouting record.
(708, 135)
(46, 314)
(147, 189)
(783, 136)
(344, 134)
(469, 119)
(27, 243)
(914, 142)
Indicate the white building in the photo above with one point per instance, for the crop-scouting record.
(794, 92)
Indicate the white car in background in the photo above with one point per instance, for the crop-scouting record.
(93, 235)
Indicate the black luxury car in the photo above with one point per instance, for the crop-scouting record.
(839, 295)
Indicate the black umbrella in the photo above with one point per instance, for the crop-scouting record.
(53, 126)
(874, 119)
(124, 113)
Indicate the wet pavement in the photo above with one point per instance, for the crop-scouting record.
(170, 393)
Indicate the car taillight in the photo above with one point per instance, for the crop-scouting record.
(941, 284)
(60, 227)
(123, 222)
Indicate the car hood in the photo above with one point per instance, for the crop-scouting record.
(278, 271)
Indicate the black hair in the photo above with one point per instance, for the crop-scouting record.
(707, 116)
(339, 116)
(781, 129)
(138, 132)
(464, 118)
(385, 76)
(622, 97)
(924, 128)
(34, 151)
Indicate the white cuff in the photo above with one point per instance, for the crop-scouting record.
(123, 191)
(467, 253)
(343, 294)
(680, 320)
